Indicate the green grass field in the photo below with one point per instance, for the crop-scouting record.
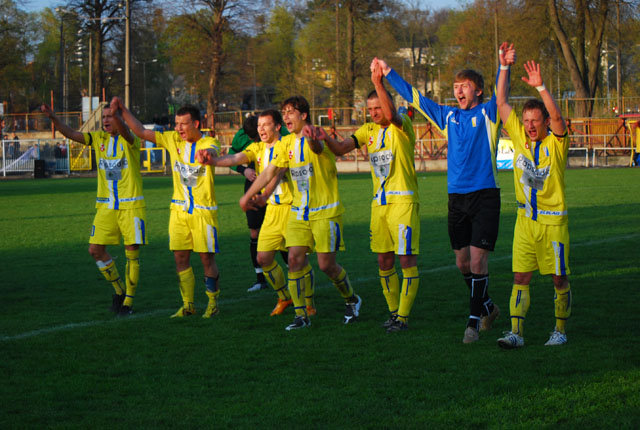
(66, 362)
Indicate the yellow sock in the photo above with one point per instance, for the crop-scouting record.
(110, 273)
(187, 284)
(275, 277)
(297, 292)
(562, 301)
(518, 306)
(213, 297)
(410, 283)
(390, 288)
(342, 283)
(133, 274)
(309, 285)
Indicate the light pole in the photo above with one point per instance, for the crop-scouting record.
(144, 80)
(63, 72)
(607, 67)
(127, 67)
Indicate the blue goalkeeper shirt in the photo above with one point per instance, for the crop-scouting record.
(472, 136)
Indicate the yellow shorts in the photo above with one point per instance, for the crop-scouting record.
(193, 232)
(321, 235)
(273, 232)
(395, 228)
(110, 225)
(540, 247)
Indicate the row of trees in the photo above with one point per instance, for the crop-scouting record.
(231, 54)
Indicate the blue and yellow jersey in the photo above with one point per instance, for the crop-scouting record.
(315, 190)
(261, 156)
(193, 188)
(391, 155)
(119, 178)
(538, 172)
(472, 137)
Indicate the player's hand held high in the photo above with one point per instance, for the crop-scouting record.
(533, 70)
(507, 54)
(376, 72)
(116, 104)
(384, 67)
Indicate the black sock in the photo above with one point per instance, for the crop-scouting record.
(253, 250)
(479, 286)
(467, 279)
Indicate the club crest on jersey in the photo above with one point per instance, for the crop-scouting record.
(178, 151)
(102, 147)
(370, 140)
(526, 145)
(474, 122)
(290, 155)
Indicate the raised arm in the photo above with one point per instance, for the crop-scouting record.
(431, 110)
(135, 125)
(246, 201)
(507, 58)
(388, 109)
(122, 129)
(66, 131)
(534, 79)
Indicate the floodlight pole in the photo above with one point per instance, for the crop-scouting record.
(90, 72)
(126, 53)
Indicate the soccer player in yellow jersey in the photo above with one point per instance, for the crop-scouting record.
(193, 222)
(635, 137)
(277, 196)
(395, 218)
(541, 235)
(315, 219)
(121, 211)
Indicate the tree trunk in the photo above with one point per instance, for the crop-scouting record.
(583, 63)
(212, 91)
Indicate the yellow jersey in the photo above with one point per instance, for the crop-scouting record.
(119, 178)
(315, 178)
(261, 156)
(193, 185)
(538, 172)
(391, 155)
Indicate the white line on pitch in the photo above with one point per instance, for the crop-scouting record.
(141, 315)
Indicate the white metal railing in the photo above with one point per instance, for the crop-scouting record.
(18, 155)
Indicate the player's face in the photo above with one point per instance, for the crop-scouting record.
(107, 121)
(534, 124)
(268, 131)
(187, 128)
(374, 106)
(466, 94)
(293, 119)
